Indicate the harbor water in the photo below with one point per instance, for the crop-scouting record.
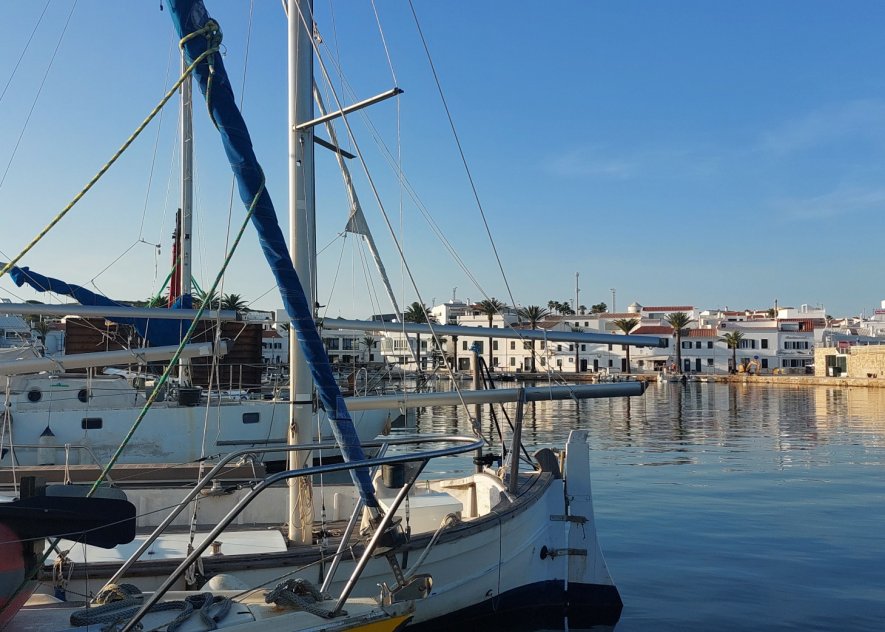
(730, 506)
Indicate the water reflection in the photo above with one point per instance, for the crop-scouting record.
(683, 420)
(729, 506)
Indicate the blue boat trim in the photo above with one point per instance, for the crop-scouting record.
(158, 333)
(542, 605)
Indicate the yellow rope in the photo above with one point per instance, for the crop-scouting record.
(214, 37)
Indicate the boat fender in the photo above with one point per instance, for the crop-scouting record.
(12, 574)
(225, 581)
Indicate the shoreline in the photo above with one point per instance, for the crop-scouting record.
(783, 380)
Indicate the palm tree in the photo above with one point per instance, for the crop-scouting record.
(211, 301)
(678, 321)
(416, 313)
(368, 342)
(626, 325)
(233, 302)
(533, 314)
(490, 307)
(733, 340)
(160, 300)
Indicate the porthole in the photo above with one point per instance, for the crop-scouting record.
(83, 395)
(35, 395)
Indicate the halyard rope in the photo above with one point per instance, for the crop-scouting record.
(213, 34)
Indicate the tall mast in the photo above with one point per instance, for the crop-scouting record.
(187, 202)
(302, 240)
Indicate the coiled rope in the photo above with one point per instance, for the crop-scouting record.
(119, 602)
(301, 594)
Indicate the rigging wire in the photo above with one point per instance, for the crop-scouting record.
(24, 51)
(156, 142)
(211, 50)
(461, 152)
(410, 191)
(39, 91)
(394, 163)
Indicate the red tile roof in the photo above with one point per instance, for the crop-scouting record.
(653, 330)
(618, 315)
(701, 333)
(677, 308)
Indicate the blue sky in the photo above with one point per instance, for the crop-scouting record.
(713, 154)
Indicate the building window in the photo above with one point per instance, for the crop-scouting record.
(686, 344)
(543, 344)
(494, 345)
(513, 345)
(512, 361)
(709, 361)
(583, 347)
(697, 344)
(464, 345)
(559, 347)
(709, 344)
(764, 342)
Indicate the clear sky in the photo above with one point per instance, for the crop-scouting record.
(706, 153)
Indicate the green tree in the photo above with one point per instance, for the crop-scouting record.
(233, 302)
(678, 321)
(211, 301)
(416, 313)
(161, 300)
(533, 315)
(626, 325)
(368, 343)
(733, 340)
(599, 308)
(490, 307)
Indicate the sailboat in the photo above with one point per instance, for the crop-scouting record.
(497, 542)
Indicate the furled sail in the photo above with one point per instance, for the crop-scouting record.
(158, 333)
(189, 17)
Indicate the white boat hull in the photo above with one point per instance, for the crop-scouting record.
(536, 556)
(93, 416)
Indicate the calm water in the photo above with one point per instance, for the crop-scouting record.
(732, 507)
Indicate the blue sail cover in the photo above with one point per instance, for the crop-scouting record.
(158, 333)
(189, 16)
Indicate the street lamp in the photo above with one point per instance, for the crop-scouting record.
(613, 301)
